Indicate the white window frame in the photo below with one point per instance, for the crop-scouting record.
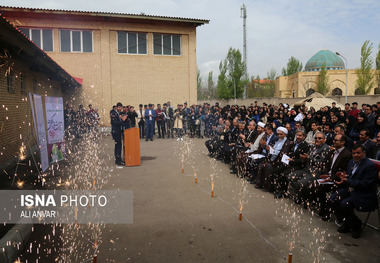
(171, 44)
(137, 46)
(81, 41)
(41, 36)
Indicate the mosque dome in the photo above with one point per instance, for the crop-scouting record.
(324, 57)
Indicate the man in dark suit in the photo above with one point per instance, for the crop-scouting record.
(291, 133)
(227, 149)
(327, 129)
(318, 162)
(281, 174)
(248, 139)
(212, 143)
(370, 147)
(316, 192)
(339, 129)
(267, 141)
(150, 116)
(358, 191)
(116, 121)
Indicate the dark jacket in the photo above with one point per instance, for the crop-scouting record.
(297, 162)
(286, 148)
(319, 161)
(370, 148)
(363, 182)
(115, 123)
(341, 163)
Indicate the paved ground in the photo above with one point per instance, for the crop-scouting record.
(176, 220)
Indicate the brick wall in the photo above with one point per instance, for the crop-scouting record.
(16, 122)
(110, 77)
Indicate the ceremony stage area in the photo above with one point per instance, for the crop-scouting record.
(176, 219)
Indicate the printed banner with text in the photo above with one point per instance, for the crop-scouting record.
(55, 128)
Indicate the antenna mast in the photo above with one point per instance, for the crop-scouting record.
(243, 14)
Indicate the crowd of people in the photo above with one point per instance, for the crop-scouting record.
(81, 121)
(318, 158)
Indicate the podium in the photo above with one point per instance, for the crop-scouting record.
(132, 147)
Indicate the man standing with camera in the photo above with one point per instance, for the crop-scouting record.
(116, 122)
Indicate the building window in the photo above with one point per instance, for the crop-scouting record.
(294, 93)
(23, 83)
(11, 82)
(309, 92)
(41, 37)
(76, 41)
(131, 43)
(377, 91)
(166, 45)
(337, 92)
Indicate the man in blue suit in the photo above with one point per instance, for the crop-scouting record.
(116, 122)
(150, 116)
(358, 190)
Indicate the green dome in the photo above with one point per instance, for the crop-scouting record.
(324, 57)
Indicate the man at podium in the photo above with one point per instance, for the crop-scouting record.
(116, 121)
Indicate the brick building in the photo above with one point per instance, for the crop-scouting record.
(120, 57)
(24, 68)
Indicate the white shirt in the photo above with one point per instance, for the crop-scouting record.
(336, 154)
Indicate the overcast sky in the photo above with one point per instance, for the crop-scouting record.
(276, 29)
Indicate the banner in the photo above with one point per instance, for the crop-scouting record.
(41, 133)
(55, 128)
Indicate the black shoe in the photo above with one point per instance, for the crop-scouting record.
(356, 234)
(357, 229)
(344, 228)
(279, 194)
(151, 140)
(325, 215)
(146, 140)
(120, 163)
(233, 172)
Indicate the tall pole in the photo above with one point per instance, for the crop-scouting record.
(243, 14)
(346, 70)
(234, 89)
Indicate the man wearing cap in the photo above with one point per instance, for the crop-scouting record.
(265, 173)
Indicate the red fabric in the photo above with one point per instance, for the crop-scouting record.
(354, 113)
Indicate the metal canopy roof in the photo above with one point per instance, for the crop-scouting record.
(195, 21)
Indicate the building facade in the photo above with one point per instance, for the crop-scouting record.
(24, 68)
(119, 57)
(303, 84)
